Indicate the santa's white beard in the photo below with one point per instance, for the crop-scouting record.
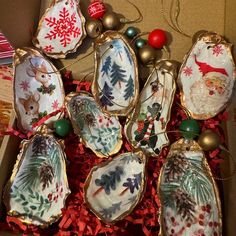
(203, 102)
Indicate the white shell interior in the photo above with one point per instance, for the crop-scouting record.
(156, 123)
(61, 28)
(31, 101)
(34, 204)
(116, 75)
(207, 93)
(103, 133)
(117, 204)
(205, 219)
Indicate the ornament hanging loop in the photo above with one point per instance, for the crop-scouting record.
(137, 20)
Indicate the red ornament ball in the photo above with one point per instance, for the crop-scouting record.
(157, 38)
(96, 9)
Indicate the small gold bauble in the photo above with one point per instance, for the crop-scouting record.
(209, 140)
(111, 21)
(146, 54)
(93, 28)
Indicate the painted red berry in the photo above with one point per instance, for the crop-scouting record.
(215, 224)
(96, 9)
(172, 231)
(215, 234)
(50, 196)
(172, 219)
(203, 208)
(210, 223)
(188, 225)
(201, 222)
(201, 216)
(157, 38)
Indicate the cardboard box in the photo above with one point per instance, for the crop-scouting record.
(19, 18)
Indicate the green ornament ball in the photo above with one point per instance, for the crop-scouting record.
(131, 32)
(62, 127)
(139, 43)
(189, 128)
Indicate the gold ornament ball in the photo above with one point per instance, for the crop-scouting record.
(93, 28)
(209, 140)
(146, 54)
(111, 21)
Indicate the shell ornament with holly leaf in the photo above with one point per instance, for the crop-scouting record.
(97, 130)
(146, 125)
(115, 85)
(38, 187)
(38, 88)
(190, 203)
(61, 29)
(207, 76)
(115, 187)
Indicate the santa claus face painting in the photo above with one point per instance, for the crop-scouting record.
(210, 93)
(207, 77)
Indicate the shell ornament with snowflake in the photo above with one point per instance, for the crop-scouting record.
(190, 203)
(61, 29)
(207, 76)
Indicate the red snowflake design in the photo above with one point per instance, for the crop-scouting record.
(63, 28)
(48, 48)
(24, 85)
(55, 105)
(188, 71)
(218, 50)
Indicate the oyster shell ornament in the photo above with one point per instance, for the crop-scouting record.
(115, 86)
(115, 187)
(61, 29)
(146, 126)
(207, 76)
(38, 188)
(37, 93)
(98, 131)
(190, 203)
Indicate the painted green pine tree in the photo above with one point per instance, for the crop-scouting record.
(106, 96)
(129, 89)
(108, 181)
(107, 66)
(117, 75)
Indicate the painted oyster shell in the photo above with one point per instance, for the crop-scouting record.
(98, 131)
(146, 126)
(38, 188)
(61, 29)
(115, 187)
(207, 76)
(36, 93)
(190, 203)
(115, 86)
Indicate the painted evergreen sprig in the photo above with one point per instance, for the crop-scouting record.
(108, 212)
(132, 183)
(108, 181)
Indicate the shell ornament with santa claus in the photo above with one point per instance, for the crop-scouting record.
(207, 76)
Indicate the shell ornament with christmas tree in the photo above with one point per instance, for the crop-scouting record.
(61, 29)
(115, 86)
(38, 187)
(146, 125)
(190, 203)
(97, 130)
(38, 88)
(115, 187)
(207, 76)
